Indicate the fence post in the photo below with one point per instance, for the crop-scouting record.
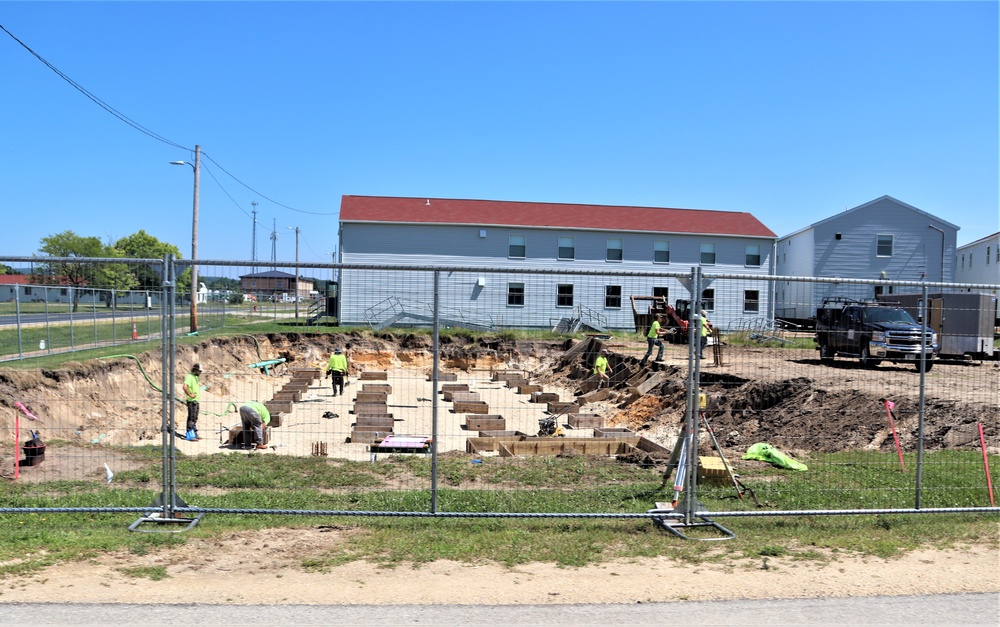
(434, 396)
(923, 392)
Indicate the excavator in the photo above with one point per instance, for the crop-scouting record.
(676, 317)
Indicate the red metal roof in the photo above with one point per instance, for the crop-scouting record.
(548, 215)
(15, 279)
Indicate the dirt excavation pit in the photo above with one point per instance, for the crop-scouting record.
(89, 411)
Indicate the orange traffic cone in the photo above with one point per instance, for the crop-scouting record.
(135, 333)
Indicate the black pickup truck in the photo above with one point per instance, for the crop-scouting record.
(872, 332)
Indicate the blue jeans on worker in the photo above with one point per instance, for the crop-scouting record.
(650, 343)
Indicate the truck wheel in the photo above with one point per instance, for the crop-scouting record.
(826, 354)
(927, 365)
(866, 358)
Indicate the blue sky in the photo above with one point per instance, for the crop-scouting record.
(791, 111)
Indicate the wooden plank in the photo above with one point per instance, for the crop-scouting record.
(487, 422)
(359, 436)
(384, 421)
(516, 383)
(471, 407)
(464, 397)
(655, 380)
(544, 397)
(528, 389)
(371, 397)
(376, 387)
(595, 396)
(274, 407)
(374, 375)
(507, 375)
(371, 408)
(613, 432)
(585, 421)
(444, 376)
(562, 407)
(454, 387)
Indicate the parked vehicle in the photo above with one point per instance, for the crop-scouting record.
(872, 332)
(963, 321)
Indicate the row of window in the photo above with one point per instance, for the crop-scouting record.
(614, 251)
(987, 257)
(613, 297)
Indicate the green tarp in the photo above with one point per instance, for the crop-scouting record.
(767, 453)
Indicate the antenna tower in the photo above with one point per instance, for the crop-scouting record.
(253, 248)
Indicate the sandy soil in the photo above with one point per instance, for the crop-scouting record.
(265, 568)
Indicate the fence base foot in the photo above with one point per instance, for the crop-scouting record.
(162, 522)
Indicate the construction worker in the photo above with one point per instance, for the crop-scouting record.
(601, 369)
(254, 416)
(705, 328)
(653, 339)
(192, 397)
(337, 368)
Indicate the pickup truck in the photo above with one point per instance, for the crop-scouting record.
(872, 332)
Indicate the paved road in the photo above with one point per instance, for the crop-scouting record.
(948, 609)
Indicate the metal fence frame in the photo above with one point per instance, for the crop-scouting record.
(688, 513)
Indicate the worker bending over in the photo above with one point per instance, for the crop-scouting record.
(254, 416)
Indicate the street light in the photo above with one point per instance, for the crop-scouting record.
(296, 229)
(196, 166)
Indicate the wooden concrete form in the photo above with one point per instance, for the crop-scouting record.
(295, 386)
(502, 434)
(444, 376)
(585, 421)
(361, 436)
(288, 395)
(516, 383)
(613, 432)
(308, 374)
(454, 387)
(657, 378)
(471, 407)
(531, 446)
(544, 397)
(374, 375)
(528, 389)
(507, 375)
(487, 422)
(562, 407)
(371, 397)
(463, 397)
(383, 421)
(595, 396)
(274, 407)
(371, 408)
(385, 388)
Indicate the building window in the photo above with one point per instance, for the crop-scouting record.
(753, 255)
(564, 295)
(567, 250)
(661, 291)
(751, 301)
(661, 252)
(708, 254)
(963, 262)
(987, 255)
(515, 247)
(708, 300)
(614, 250)
(884, 246)
(64, 292)
(515, 294)
(613, 296)
(970, 261)
(27, 291)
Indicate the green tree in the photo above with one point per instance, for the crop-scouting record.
(142, 245)
(80, 275)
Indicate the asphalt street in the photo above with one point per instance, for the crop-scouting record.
(948, 609)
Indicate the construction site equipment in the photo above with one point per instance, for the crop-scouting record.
(675, 318)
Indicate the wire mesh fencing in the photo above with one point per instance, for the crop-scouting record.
(476, 392)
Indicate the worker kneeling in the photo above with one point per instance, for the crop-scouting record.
(254, 416)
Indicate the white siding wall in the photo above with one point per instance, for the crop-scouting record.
(463, 299)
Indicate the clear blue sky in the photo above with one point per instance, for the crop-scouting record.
(791, 111)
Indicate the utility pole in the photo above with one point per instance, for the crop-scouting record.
(296, 271)
(194, 236)
(253, 248)
(274, 244)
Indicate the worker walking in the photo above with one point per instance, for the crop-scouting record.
(653, 339)
(192, 397)
(706, 328)
(254, 416)
(338, 369)
(601, 369)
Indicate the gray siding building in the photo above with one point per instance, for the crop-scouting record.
(521, 236)
(881, 239)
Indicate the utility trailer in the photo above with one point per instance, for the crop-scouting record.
(963, 321)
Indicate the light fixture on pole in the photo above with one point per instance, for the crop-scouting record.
(296, 229)
(196, 166)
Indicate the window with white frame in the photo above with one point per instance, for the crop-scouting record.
(614, 250)
(661, 251)
(708, 254)
(708, 300)
(753, 256)
(515, 294)
(751, 301)
(883, 246)
(567, 248)
(613, 296)
(27, 291)
(564, 295)
(515, 247)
